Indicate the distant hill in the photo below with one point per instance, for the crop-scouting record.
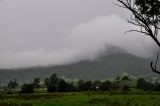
(105, 67)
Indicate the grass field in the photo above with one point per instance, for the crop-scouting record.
(80, 99)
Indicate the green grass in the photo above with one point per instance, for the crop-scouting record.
(80, 99)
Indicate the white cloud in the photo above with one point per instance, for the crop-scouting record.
(94, 35)
(85, 41)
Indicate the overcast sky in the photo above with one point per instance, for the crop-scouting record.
(57, 32)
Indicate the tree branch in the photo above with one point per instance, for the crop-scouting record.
(148, 22)
(137, 31)
(154, 66)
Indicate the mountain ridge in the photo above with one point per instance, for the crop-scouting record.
(110, 65)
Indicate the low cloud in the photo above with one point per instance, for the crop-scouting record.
(102, 32)
(85, 41)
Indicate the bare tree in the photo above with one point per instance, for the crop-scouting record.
(145, 15)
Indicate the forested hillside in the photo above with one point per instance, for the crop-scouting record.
(105, 67)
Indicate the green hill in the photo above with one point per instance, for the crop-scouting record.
(105, 67)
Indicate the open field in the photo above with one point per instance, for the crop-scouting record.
(80, 99)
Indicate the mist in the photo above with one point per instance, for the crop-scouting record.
(38, 33)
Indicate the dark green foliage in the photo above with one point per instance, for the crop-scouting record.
(96, 84)
(63, 86)
(36, 83)
(157, 86)
(54, 79)
(88, 85)
(80, 99)
(55, 84)
(52, 83)
(71, 87)
(125, 88)
(22, 104)
(9, 92)
(105, 86)
(116, 86)
(13, 84)
(144, 85)
(141, 82)
(27, 88)
(125, 78)
(118, 78)
(51, 88)
(84, 85)
(80, 84)
(46, 82)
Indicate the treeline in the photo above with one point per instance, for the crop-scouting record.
(56, 84)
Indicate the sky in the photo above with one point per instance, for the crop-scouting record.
(58, 32)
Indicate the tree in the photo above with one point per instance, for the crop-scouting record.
(105, 86)
(27, 88)
(13, 84)
(54, 79)
(145, 15)
(84, 85)
(125, 88)
(88, 85)
(142, 84)
(51, 88)
(63, 86)
(52, 83)
(157, 87)
(46, 82)
(71, 87)
(80, 84)
(118, 78)
(36, 82)
(96, 84)
(125, 78)
(116, 85)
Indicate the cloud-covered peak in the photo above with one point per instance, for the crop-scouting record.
(85, 41)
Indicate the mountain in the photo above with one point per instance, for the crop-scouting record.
(108, 66)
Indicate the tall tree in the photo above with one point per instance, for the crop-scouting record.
(52, 83)
(46, 82)
(145, 15)
(36, 83)
(63, 86)
(13, 84)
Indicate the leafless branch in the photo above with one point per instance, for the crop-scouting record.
(137, 31)
(154, 66)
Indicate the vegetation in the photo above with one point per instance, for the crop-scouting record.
(57, 84)
(108, 66)
(81, 99)
(36, 83)
(123, 91)
(27, 88)
(12, 84)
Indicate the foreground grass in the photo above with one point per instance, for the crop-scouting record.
(80, 99)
